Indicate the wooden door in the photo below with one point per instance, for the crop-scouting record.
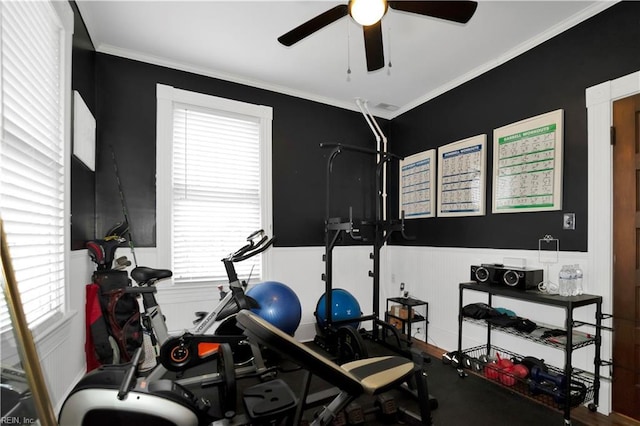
(626, 260)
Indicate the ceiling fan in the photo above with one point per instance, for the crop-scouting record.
(369, 14)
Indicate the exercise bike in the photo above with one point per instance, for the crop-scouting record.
(192, 348)
(183, 352)
(117, 395)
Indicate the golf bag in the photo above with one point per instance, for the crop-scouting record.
(113, 323)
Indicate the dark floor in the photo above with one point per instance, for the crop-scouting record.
(462, 401)
(474, 401)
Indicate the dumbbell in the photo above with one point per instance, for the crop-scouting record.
(577, 391)
(495, 369)
(447, 358)
(550, 389)
(354, 414)
(492, 370)
(456, 359)
(504, 371)
(520, 371)
(530, 362)
(539, 375)
(509, 376)
(385, 407)
(477, 365)
(388, 408)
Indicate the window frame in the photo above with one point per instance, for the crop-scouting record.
(66, 27)
(167, 98)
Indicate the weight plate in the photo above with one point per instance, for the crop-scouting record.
(350, 345)
(227, 372)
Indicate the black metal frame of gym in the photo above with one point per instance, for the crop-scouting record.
(338, 337)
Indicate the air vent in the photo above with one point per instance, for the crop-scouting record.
(387, 107)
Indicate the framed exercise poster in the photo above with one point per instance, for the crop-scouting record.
(527, 165)
(417, 180)
(461, 177)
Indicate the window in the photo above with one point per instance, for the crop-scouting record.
(35, 69)
(213, 183)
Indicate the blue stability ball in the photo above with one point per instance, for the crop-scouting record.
(345, 306)
(279, 305)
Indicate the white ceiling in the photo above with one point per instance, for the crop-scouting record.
(236, 41)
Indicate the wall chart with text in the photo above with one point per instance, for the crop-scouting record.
(461, 177)
(527, 165)
(417, 182)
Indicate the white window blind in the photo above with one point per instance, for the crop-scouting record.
(32, 154)
(216, 191)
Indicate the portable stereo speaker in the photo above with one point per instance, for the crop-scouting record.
(497, 274)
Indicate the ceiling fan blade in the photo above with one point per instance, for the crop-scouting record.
(313, 25)
(373, 46)
(457, 11)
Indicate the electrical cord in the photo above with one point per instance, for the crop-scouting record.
(548, 287)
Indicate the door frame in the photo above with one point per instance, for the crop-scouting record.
(599, 101)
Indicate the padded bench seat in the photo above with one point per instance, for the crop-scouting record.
(379, 374)
(369, 376)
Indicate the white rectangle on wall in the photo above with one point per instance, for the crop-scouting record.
(84, 132)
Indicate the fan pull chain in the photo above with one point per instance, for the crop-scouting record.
(389, 49)
(348, 52)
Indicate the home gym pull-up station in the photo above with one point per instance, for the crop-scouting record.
(340, 337)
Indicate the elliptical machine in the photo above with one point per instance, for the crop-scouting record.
(112, 395)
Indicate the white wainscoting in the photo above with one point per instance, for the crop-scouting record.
(433, 274)
(61, 348)
(429, 273)
(301, 268)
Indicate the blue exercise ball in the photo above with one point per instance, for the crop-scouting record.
(345, 306)
(279, 305)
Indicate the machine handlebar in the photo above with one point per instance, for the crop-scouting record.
(252, 248)
(130, 375)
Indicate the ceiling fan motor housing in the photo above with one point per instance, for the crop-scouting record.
(367, 12)
(456, 11)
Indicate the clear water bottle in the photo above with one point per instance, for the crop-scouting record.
(573, 290)
(564, 278)
(579, 275)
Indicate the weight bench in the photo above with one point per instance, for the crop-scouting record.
(369, 376)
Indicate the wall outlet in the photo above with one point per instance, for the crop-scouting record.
(569, 221)
(401, 286)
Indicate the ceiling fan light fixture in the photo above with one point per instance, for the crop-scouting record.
(367, 12)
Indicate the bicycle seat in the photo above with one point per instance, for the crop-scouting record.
(147, 276)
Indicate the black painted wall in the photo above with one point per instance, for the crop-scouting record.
(551, 76)
(83, 188)
(127, 122)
